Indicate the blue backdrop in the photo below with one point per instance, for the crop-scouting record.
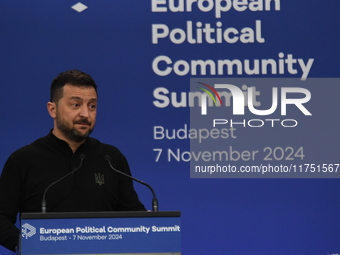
(117, 42)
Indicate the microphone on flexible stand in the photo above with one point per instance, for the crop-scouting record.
(154, 199)
(43, 202)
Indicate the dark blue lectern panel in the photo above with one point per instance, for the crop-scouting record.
(104, 235)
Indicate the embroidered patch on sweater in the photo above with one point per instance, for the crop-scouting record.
(99, 179)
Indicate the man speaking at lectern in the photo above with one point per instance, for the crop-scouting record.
(93, 185)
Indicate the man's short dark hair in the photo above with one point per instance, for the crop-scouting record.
(73, 77)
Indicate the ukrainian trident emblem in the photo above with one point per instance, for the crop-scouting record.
(99, 179)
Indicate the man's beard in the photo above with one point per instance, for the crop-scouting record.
(70, 132)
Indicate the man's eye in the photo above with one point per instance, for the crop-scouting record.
(92, 106)
(75, 105)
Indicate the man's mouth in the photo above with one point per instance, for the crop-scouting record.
(83, 122)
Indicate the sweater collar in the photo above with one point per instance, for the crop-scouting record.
(63, 145)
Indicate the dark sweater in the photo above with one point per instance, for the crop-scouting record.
(94, 187)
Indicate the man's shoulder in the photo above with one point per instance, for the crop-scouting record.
(28, 154)
(105, 148)
(31, 148)
(102, 145)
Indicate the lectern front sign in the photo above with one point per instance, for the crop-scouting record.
(101, 233)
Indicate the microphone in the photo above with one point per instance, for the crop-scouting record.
(43, 202)
(154, 199)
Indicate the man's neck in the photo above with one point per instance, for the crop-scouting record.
(73, 145)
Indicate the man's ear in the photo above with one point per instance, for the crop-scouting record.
(52, 109)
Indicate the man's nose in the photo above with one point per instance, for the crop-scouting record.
(84, 111)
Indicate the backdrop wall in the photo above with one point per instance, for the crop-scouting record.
(142, 52)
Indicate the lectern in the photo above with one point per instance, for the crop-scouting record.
(123, 233)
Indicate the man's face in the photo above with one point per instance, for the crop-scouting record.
(76, 112)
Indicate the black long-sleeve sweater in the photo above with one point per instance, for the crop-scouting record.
(94, 187)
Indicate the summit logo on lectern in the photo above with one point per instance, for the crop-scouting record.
(27, 230)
